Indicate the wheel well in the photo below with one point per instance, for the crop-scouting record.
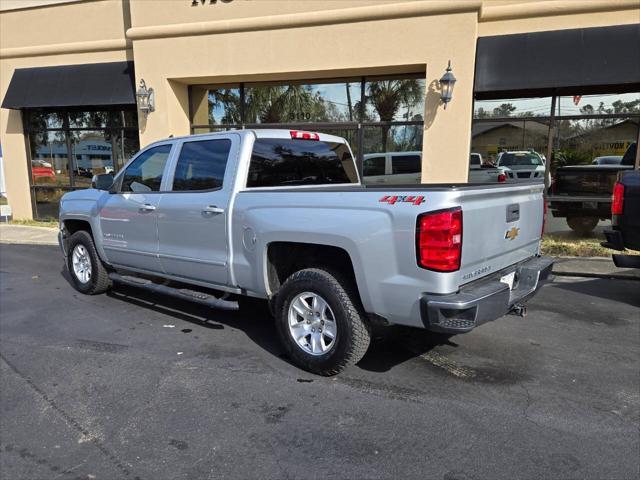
(72, 226)
(286, 258)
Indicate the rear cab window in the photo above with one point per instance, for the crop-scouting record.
(282, 162)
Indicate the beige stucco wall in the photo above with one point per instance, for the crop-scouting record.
(26, 37)
(323, 51)
(175, 44)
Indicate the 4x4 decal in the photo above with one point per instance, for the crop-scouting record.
(392, 199)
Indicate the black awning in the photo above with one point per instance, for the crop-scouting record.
(563, 62)
(96, 84)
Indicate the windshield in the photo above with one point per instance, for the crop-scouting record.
(524, 159)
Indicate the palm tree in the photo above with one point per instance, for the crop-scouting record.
(388, 96)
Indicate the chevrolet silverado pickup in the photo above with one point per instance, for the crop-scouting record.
(279, 215)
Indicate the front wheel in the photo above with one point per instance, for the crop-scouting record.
(320, 321)
(87, 272)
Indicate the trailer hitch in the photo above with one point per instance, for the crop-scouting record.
(518, 309)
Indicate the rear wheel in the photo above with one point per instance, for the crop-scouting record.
(87, 271)
(320, 321)
(582, 225)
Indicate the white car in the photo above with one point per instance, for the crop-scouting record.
(522, 166)
(392, 167)
(404, 168)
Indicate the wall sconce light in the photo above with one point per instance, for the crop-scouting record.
(146, 98)
(447, 82)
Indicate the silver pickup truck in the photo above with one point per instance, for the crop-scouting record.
(236, 217)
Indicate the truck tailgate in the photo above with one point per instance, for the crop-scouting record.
(501, 227)
(586, 180)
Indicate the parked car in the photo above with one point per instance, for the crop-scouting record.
(42, 171)
(392, 167)
(625, 219)
(607, 160)
(522, 166)
(479, 172)
(406, 167)
(282, 216)
(582, 193)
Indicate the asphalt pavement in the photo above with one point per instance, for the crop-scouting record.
(136, 386)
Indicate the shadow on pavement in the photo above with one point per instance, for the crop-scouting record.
(395, 345)
(623, 291)
(259, 330)
(390, 347)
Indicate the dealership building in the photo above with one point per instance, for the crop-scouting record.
(84, 84)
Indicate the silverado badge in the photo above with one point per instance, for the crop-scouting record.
(512, 234)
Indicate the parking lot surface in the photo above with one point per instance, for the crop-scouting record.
(136, 386)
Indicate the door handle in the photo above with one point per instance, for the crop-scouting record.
(147, 207)
(212, 209)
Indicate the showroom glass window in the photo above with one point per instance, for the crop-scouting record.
(68, 147)
(583, 127)
(379, 116)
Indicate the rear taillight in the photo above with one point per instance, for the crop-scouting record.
(553, 185)
(439, 240)
(544, 215)
(617, 203)
(502, 178)
(300, 135)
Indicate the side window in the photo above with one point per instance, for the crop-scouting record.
(201, 165)
(145, 173)
(405, 164)
(373, 166)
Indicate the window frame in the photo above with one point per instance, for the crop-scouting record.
(117, 127)
(357, 126)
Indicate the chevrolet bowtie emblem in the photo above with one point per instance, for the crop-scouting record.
(512, 234)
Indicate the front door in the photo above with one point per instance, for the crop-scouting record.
(192, 216)
(128, 219)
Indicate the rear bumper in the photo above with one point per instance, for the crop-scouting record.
(483, 302)
(614, 240)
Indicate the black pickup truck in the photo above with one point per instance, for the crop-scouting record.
(582, 193)
(625, 219)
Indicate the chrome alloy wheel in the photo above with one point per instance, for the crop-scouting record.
(312, 324)
(81, 263)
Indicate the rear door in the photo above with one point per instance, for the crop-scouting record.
(192, 217)
(128, 217)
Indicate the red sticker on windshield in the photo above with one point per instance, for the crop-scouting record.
(393, 199)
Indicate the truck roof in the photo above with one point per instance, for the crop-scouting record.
(258, 133)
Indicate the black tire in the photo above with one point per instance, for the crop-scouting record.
(99, 282)
(353, 334)
(582, 225)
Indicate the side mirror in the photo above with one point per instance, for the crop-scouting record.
(102, 181)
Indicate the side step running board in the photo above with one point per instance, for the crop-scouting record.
(182, 293)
